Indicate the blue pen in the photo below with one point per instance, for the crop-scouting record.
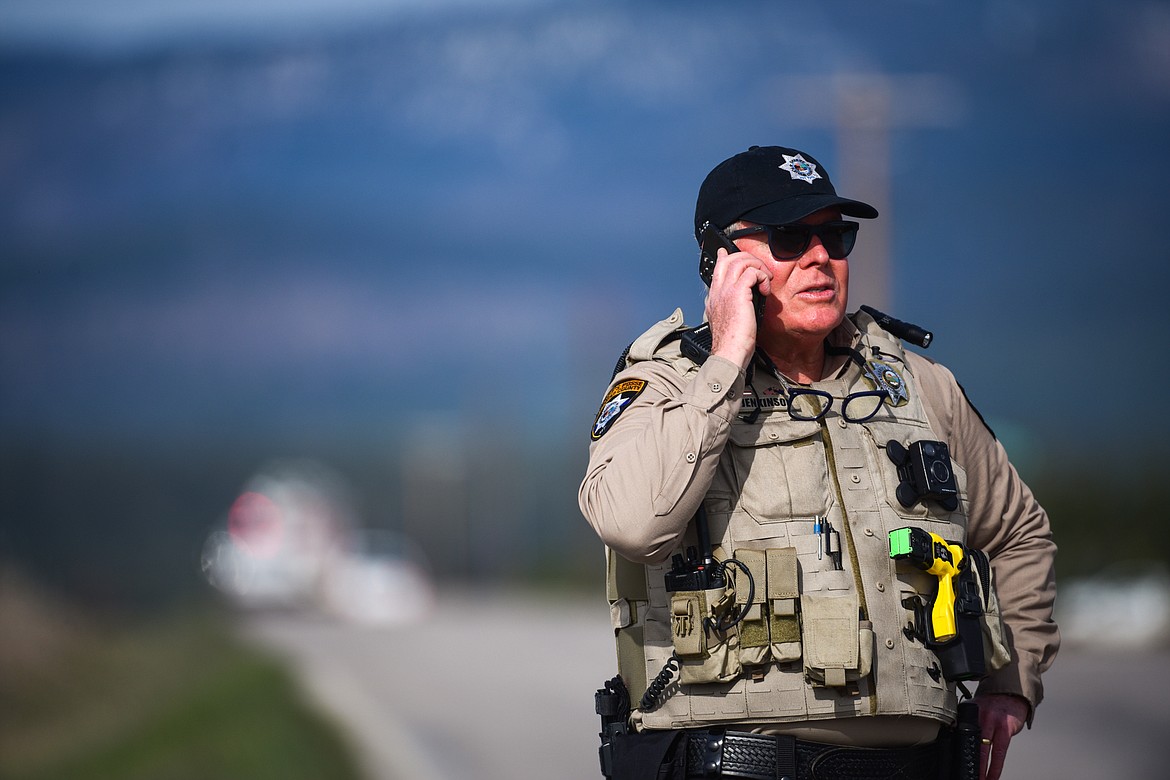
(817, 529)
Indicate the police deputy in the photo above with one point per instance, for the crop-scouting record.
(745, 477)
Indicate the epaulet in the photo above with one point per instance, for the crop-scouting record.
(646, 345)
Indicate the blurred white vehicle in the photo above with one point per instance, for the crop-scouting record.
(290, 541)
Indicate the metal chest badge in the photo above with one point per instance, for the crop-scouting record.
(886, 378)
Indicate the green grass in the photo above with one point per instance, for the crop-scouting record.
(173, 700)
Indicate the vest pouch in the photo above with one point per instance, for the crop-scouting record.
(792, 453)
(705, 655)
(783, 604)
(754, 635)
(838, 645)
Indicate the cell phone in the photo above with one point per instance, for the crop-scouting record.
(711, 240)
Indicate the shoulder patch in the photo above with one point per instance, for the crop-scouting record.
(615, 402)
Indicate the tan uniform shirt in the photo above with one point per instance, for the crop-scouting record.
(653, 462)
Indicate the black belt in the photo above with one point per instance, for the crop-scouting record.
(717, 753)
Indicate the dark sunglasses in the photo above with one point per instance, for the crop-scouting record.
(789, 242)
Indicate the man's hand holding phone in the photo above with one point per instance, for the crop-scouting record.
(732, 305)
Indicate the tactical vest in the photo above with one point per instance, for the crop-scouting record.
(822, 636)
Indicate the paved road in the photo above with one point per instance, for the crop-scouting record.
(502, 687)
(486, 688)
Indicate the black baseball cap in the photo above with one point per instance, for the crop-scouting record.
(770, 185)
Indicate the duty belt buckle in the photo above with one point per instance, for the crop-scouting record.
(711, 754)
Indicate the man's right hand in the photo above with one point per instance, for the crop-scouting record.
(730, 308)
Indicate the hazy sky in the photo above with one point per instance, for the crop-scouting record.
(121, 23)
(196, 229)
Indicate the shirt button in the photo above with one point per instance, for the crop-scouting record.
(881, 586)
(716, 387)
(690, 457)
(890, 643)
(855, 479)
(842, 423)
(869, 532)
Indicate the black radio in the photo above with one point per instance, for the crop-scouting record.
(698, 570)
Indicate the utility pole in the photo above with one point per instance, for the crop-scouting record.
(863, 109)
